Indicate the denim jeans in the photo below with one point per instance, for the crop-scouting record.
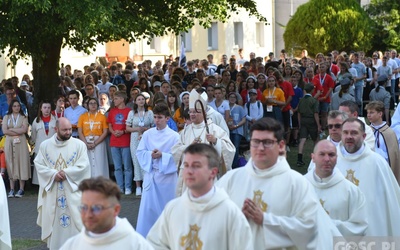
(358, 95)
(122, 157)
(392, 89)
(235, 138)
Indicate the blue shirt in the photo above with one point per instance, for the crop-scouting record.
(237, 113)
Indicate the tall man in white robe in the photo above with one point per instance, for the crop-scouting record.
(351, 109)
(342, 201)
(104, 230)
(160, 177)
(61, 164)
(5, 236)
(197, 133)
(279, 203)
(372, 174)
(203, 217)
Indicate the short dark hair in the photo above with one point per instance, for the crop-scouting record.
(162, 109)
(269, 124)
(362, 125)
(204, 150)
(353, 107)
(73, 92)
(102, 185)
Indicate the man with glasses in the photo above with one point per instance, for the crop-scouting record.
(61, 164)
(280, 204)
(103, 229)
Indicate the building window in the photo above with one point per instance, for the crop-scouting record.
(213, 36)
(187, 40)
(260, 34)
(238, 33)
(153, 43)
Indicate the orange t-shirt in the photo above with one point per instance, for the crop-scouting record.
(98, 121)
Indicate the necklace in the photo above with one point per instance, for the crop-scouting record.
(197, 139)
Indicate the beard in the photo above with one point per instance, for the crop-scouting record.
(64, 137)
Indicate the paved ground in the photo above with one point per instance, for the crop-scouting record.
(23, 216)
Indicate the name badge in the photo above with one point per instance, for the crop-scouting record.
(16, 140)
(141, 124)
(269, 108)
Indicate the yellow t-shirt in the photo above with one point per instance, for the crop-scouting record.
(277, 93)
(98, 121)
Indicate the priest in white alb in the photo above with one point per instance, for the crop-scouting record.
(373, 175)
(61, 164)
(342, 201)
(197, 133)
(203, 217)
(279, 203)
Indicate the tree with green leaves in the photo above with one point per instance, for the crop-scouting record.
(40, 28)
(386, 17)
(325, 25)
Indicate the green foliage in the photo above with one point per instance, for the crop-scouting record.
(325, 25)
(39, 28)
(82, 24)
(385, 15)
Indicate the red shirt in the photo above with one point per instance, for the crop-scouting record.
(334, 69)
(327, 83)
(288, 90)
(117, 118)
(317, 86)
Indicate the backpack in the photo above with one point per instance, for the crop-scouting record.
(248, 106)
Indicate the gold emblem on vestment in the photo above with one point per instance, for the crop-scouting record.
(257, 199)
(191, 241)
(60, 163)
(350, 176)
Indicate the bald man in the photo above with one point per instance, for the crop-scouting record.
(61, 164)
(342, 201)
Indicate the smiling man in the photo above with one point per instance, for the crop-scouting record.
(342, 201)
(372, 174)
(280, 204)
(103, 229)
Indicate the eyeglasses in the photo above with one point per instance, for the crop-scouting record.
(95, 209)
(337, 126)
(92, 103)
(255, 143)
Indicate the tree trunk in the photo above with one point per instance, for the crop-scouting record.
(45, 72)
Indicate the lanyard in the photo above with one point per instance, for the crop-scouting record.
(14, 121)
(61, 114)
(269, 92)
(322, 80)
